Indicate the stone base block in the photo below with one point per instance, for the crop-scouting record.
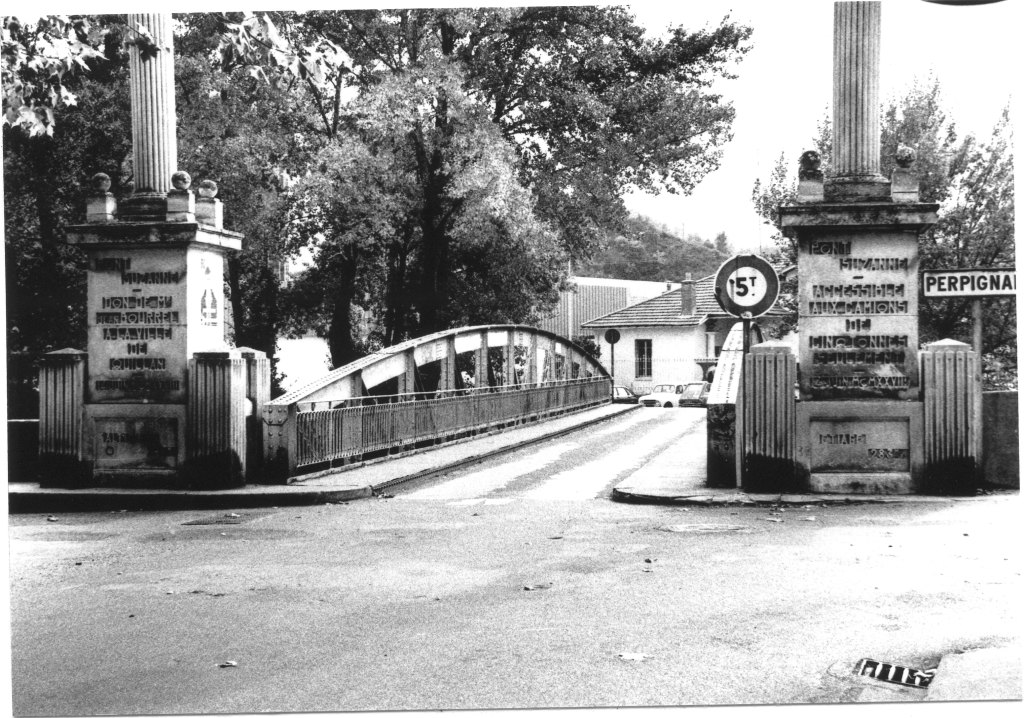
(896, 483)
(861, 447)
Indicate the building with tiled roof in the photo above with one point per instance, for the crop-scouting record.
(672, 338)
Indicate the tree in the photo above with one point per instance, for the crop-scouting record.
(971, 181)
(976, 230)
(590, 106)
(365, 213)
(44, 175)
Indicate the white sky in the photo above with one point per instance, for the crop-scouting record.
(785, 85)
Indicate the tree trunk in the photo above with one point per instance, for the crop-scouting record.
(339, 335)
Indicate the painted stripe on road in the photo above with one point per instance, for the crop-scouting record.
(589, 481)
(479, 483)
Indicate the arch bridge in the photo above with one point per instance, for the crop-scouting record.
(436, 388)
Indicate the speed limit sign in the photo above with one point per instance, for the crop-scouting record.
(746, 286)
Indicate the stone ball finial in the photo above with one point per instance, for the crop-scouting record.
(208, 189)
(101, 182)
(905, 156)
(810, 165)
(181, 180)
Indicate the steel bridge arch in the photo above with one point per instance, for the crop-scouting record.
(414, 393)
(539, 357)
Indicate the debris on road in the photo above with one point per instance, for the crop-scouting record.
(52, 518)
(632, 657)
(554, 538)
(808, 518)
(228, 664)
(536, 586)
(777, 521)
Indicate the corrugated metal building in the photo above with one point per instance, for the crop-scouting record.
(592, 297)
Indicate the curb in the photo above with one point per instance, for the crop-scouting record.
(742, 499)
(84, 500)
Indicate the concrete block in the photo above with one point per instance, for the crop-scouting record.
(1001, 439)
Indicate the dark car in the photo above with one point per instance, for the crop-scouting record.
(624, 395)
(694, 394)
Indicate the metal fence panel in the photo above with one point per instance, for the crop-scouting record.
(329, 433)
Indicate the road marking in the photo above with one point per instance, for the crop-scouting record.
(588, 481)
(478, 483)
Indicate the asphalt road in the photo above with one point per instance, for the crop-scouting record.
(511, 584)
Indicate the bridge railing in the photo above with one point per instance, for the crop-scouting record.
(308, 436)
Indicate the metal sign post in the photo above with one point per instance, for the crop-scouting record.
(612, 336)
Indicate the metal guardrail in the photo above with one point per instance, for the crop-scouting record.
(340, 430)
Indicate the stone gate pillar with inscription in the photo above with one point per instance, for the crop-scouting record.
(859, 417)
(155, 302)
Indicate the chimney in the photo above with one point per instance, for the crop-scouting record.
(689, 296)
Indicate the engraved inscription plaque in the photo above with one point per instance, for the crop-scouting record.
(860, 445)
(858, 316)
(125, 443)
(136, 326)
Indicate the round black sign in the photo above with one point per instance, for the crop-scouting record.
(746, 286)
(612, 336)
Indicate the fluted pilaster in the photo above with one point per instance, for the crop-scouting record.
(154, 140)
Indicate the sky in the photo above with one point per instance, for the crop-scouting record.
(784, 88)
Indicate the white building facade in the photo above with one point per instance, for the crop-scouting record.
(673, 338)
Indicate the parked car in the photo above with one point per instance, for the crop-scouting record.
(624, 395)
(665, 395)
(695, 394)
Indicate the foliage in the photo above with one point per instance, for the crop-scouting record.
(649, 253)
(976, 230)
(43, 189)
(39, 58)
(363, 217)
(589, 105)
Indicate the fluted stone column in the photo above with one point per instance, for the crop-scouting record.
(855, 108)
(154, 140)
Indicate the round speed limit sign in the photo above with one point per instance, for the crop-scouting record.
(746, 286)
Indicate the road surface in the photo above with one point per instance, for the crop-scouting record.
(515, 583)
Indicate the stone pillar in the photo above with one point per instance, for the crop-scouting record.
(217, 420)
(855, 108)
(61, 399)
(769, 418)
(951, 384)
(154, 142)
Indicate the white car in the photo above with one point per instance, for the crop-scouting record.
(665, 395)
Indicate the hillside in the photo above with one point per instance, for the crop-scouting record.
(651, 253)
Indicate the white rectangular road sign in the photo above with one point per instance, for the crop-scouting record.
(944, 283)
